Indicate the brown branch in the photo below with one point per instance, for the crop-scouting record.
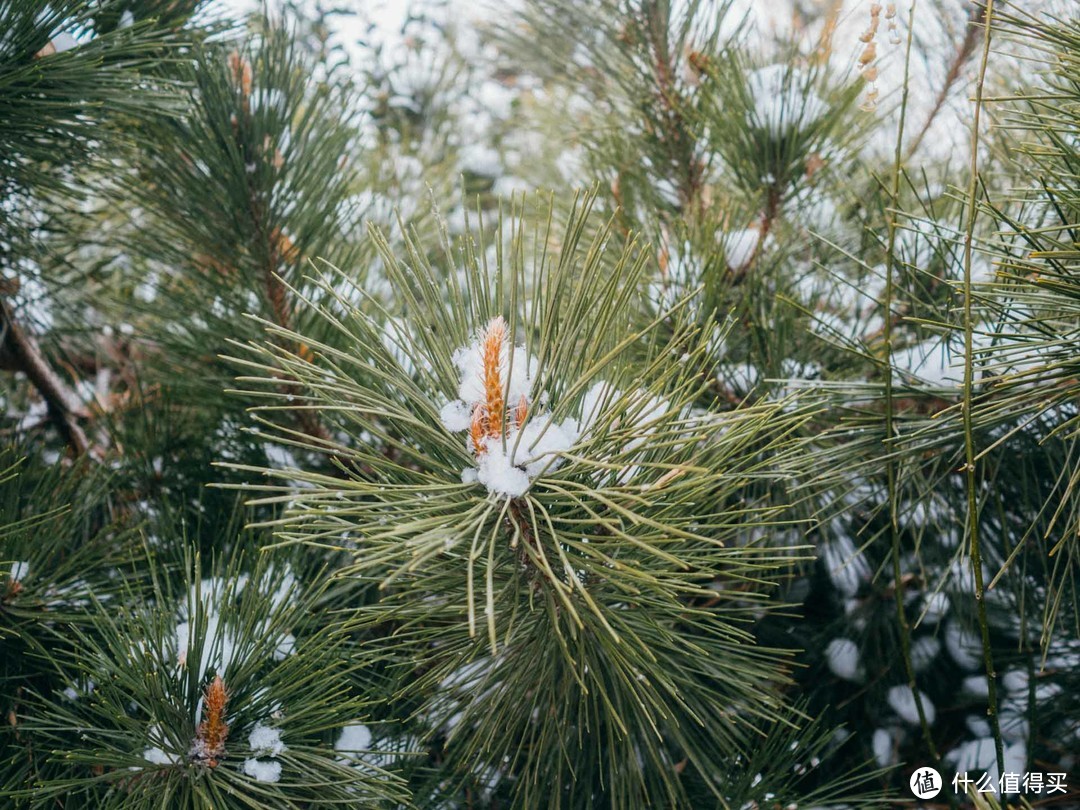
(21, 353)
(765, 225)
(279, 249)
(679, 144)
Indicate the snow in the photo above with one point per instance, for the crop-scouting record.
(155, 753)
(979, 755)
(223, 642)
(456, 416)
(263, 771)
(883, 747)
(159, 757)
(19, 571)
(63, 42)
(782, 99)
(923, 652)
(739, 246)
(935, 608)
(266, 741)
(972, 756)
(507, 462)
(498, 473)
(976, 685)
(355, 737)
(848, 568)
(365, 751)
(513, 364)
(963, 646)
(842, 655)
(1015, 680)
(978, 726)
(79, 688)
(902, 700)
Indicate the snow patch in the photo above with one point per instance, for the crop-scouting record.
(902, 700)
(782, 99)
(266, 741)
(354, 738)
(263, 771)
(842, 655)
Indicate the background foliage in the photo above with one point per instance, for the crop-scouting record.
(623, 403)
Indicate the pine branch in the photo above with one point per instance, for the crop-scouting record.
(890, 461)
(967, 415)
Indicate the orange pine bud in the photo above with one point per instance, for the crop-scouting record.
(212, 731)
(494, 338)
(241, 72)
(522, 411)
(282, 246)
(478, 429)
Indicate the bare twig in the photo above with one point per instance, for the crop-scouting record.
(970, 454)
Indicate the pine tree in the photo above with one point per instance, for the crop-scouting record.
(620, 404)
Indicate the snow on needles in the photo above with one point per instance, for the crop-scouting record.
(512, 442)
(265, 743)
(782, 98)
(223, 642)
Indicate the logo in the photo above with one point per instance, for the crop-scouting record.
(925, 783)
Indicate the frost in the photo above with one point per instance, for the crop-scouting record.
(266, 741)
(902, 701)
(843, 657)
(260, 771)
(395, 338)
